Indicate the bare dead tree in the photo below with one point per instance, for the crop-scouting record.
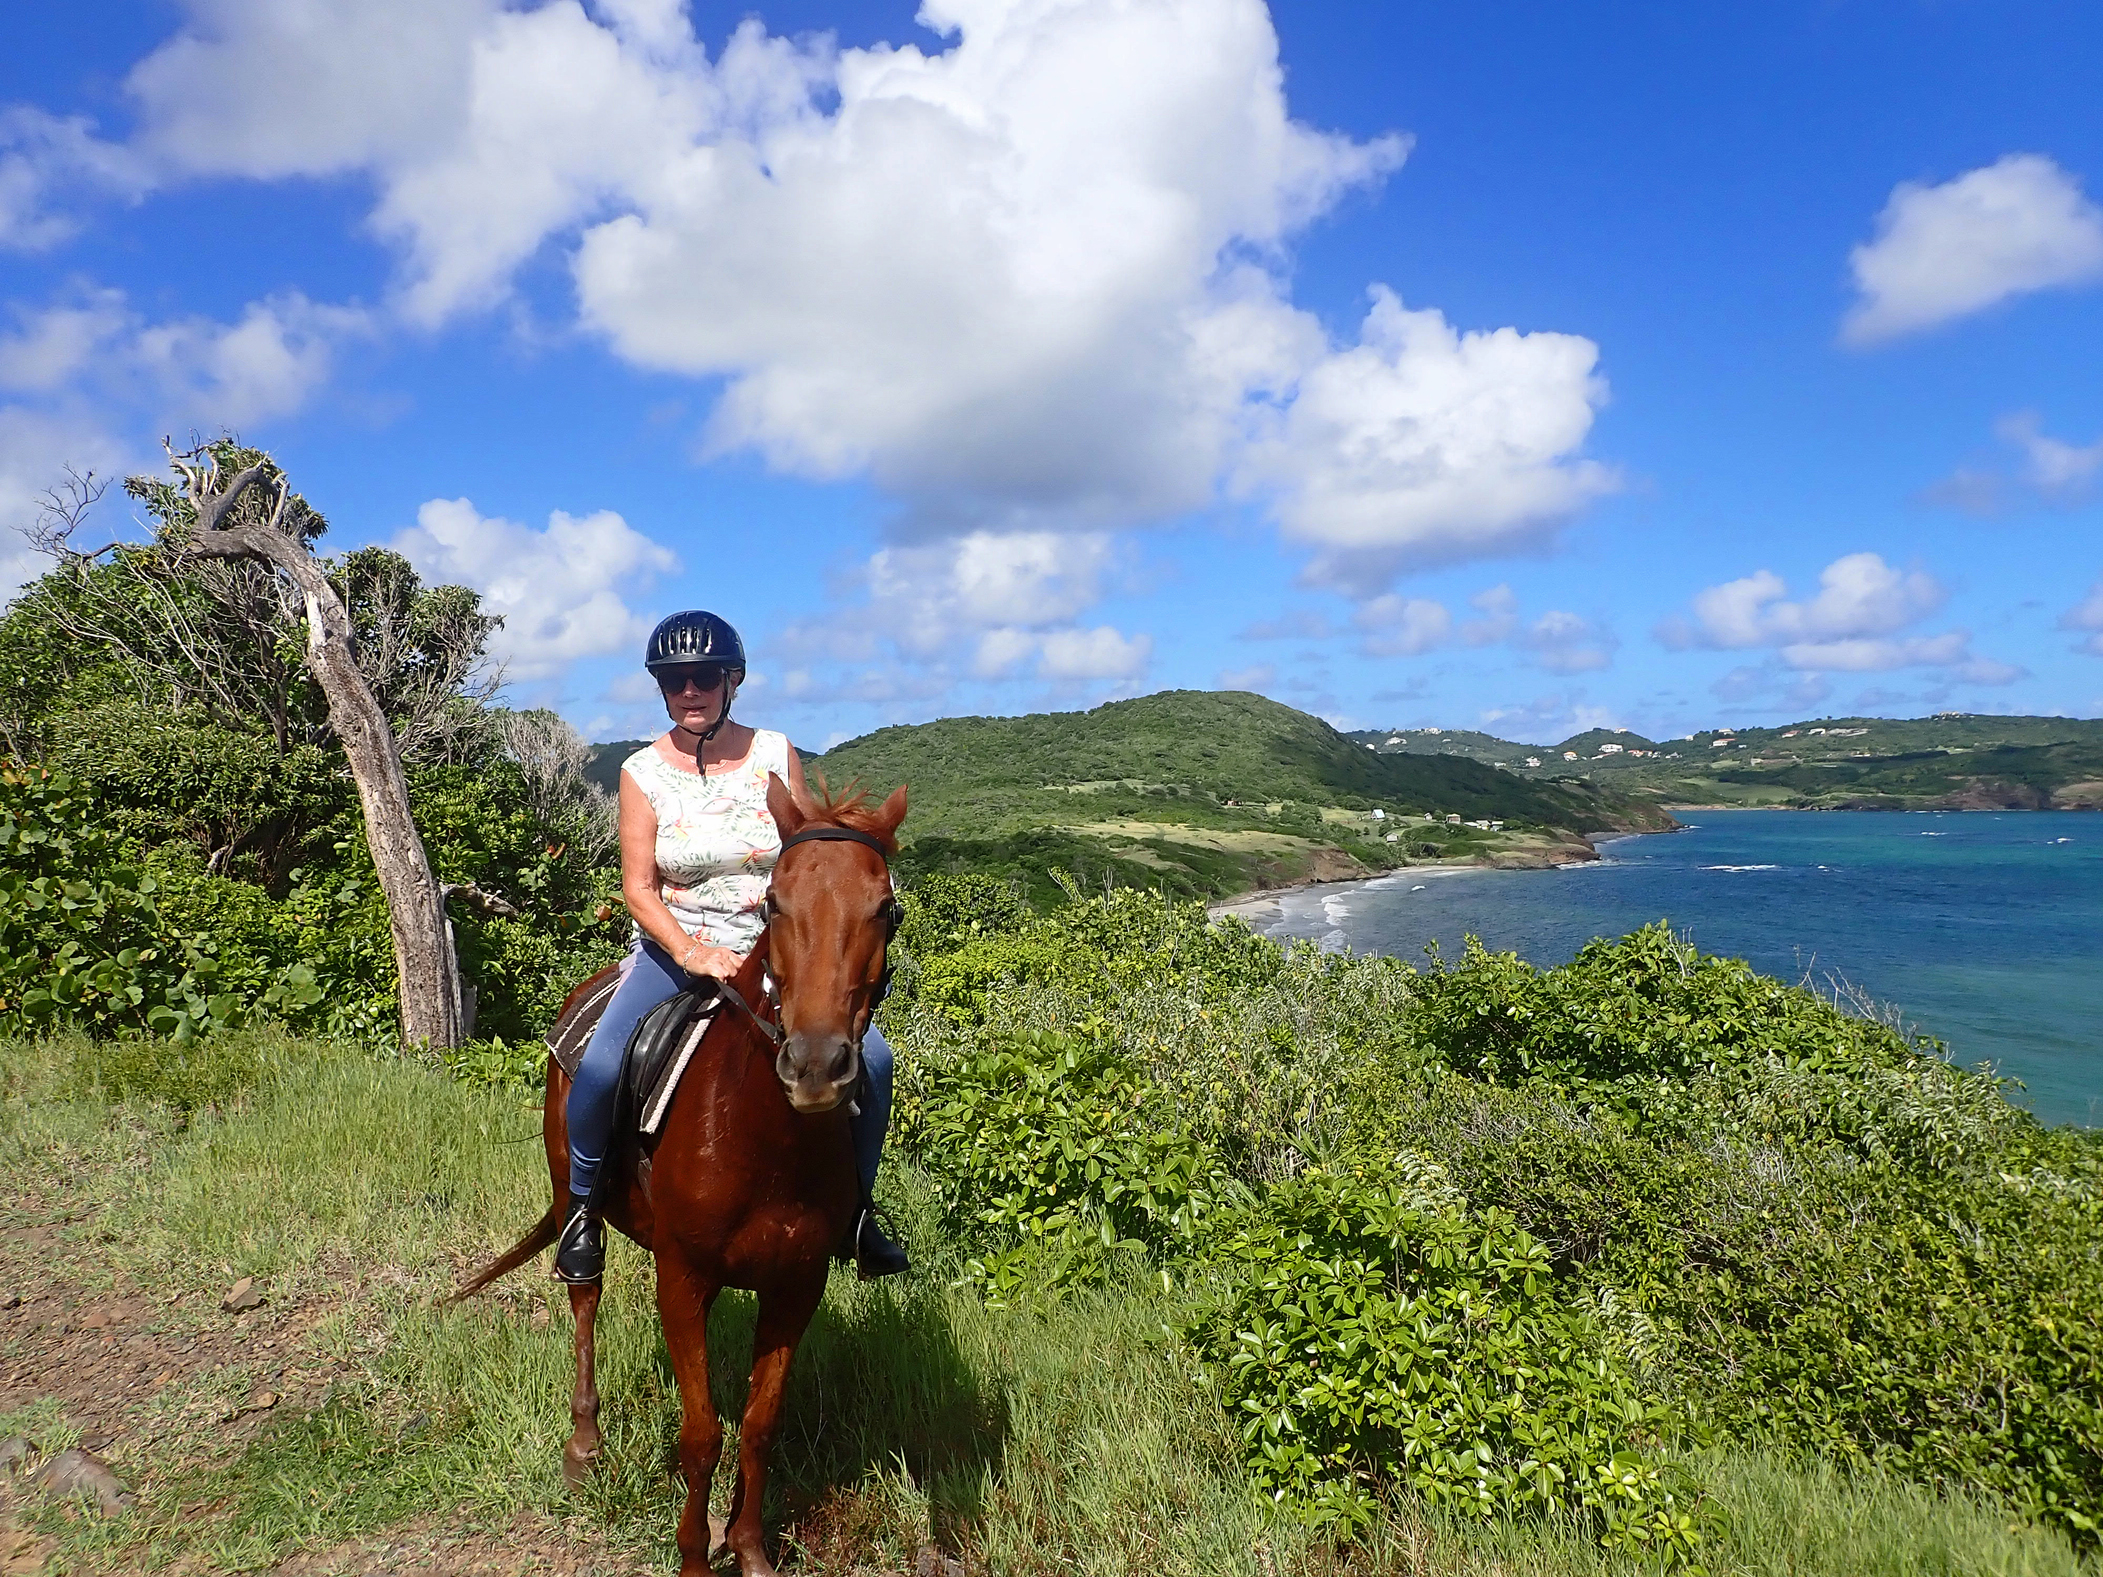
(223, 634)
(206, 632)
(421, 651)
(551, 758)
(248, 518)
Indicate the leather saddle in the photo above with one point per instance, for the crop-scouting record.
(657, 1053)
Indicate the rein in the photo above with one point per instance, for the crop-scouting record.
(894, 916)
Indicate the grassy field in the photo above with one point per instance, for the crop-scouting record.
(1067, 1437)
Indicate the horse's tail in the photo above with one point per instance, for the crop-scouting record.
(543, 1233)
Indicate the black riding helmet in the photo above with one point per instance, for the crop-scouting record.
(696, 638)
(692, 637)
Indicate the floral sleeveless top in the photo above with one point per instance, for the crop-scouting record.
(716, 840)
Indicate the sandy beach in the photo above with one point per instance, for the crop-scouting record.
(1261, 907)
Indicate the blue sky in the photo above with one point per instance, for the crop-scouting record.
(1519, 366)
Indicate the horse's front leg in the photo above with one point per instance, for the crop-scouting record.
(784, 1315)
(581, 1455)
(683, 1303)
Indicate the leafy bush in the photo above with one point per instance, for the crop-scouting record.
(1053, 1151)
(1643, 1024)
(1762, 1212)
(1376, 1328)
(90, 942)
(499, 1064)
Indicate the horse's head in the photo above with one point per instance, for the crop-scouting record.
(831, 912)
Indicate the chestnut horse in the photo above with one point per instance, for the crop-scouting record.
(751, 1183)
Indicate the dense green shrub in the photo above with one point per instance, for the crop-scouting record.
(1052, 1151)
(1760, 1212)
(175, 775)
(1647, 1024)
(1375, 1328)
(84, 943)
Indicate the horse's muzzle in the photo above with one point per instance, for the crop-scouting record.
(818, 1072)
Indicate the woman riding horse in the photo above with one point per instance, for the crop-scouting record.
(698, 846)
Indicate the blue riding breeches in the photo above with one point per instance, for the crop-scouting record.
(648, 976)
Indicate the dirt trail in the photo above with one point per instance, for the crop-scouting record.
(159, 1384)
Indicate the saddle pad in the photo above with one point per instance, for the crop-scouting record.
(656, 1055)
(572, 1031)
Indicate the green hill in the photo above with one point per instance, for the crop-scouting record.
(1593, 741)
(1210, 793)
(1445, 742)
(604, 767)
(1953, 761)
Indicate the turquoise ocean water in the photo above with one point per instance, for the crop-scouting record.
(1985, 928)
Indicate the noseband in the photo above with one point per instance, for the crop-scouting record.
(894, 917)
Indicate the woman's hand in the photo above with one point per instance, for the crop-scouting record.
(701, 959)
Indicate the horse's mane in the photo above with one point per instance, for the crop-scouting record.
(850, 807)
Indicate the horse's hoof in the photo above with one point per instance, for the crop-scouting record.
(718, 1539)
(578, 1463)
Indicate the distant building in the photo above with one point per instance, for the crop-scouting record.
(1533, 761)
(1569, 755)
(1610, 750)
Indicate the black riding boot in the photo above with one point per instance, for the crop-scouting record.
(875, 1254)
(580, 1252)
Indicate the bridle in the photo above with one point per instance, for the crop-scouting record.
(893, 917)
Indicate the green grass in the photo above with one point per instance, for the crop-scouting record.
(1066, 1438)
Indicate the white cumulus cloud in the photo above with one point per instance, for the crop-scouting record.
(1566, 643)
(1853, 624)
(1064, 655)
(1100, 653)
(1257, 676)
(2086, 617)
(1033, 276)
(561, 591)
(1859, 595)
(2048, 470)
(89, 381)
(927, 593)
(1942, 252)
(45, 160)
(181, 371)
(1422, 445)
(1396, 626)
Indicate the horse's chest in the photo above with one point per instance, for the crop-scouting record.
(754, 1210)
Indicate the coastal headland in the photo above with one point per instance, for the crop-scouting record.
(1211, 795)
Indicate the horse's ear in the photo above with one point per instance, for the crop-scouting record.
(782, 804)
(891, 812)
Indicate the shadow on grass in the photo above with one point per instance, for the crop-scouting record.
(881, 1384)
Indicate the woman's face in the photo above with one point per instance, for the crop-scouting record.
(695, 694)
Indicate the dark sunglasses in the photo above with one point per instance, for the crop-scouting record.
(707, 680)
